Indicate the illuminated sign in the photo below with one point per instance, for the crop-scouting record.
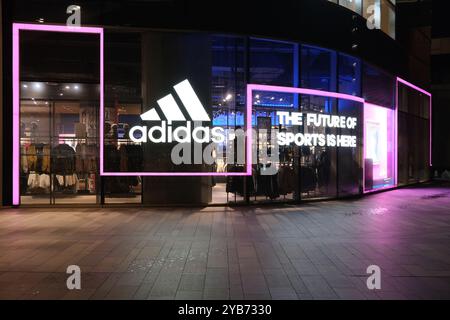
(186, 129)
(316, 139)
(164, 133)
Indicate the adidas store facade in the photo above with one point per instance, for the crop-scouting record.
(138, 110)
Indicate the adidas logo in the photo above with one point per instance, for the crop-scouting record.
(164, 133)
(172, 111)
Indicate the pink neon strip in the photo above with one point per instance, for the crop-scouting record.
(364, 151)
(249, 102)
(431, 131)
(175, 174)
(17, 27)
(396, 135)
(56, 28)
(102, 106)
(409, 84)
(16, 119)
(259, 87)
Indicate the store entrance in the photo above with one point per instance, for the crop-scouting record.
(59, 102)
(59, 143)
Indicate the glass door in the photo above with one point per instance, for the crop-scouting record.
(59, 143)
(35, 149)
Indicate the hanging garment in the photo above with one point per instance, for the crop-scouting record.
(23, 159)
(44, 181)
(235, 184)
(85, 158)
(33, 181)
(60, 180)
(63, 161)
(80, 157)
(112, 157)
(45, 165)
(70, 180)
(308, 179)
(286, 180)
(92, 155)
(31, 157)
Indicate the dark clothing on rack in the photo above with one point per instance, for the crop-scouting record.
(131, 160)
(128, 158)
(286, 180)
(113, 158)
(307, 179)
(268, 185)
(235, 184)
(63, 160)
(86, 158)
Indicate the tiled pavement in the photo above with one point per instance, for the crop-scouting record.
(314, 251)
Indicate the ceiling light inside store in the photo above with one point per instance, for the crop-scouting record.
(67, 87)
(61, 94)
(37, 86)
(25, 86)
(228, 97)
(76, 87)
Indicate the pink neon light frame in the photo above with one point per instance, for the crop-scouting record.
(247, 172)
(395, 152)
(17, 27)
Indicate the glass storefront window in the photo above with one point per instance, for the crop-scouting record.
(318, 164)
(318, 68)
(349, 168)
(228, 102)
(274, 63)
(282, 161)
(378, 86)
(122, 109)
(349, 74)
(379, 147)
(59, 103)
(413, 136)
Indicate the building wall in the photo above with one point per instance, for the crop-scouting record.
(309, 22)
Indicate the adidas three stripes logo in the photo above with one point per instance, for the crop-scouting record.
(172, 111)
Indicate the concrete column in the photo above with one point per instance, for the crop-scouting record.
(167, 59)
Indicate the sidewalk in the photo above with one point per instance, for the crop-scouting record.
(314, 251)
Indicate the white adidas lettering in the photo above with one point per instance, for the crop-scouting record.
(172, 112)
